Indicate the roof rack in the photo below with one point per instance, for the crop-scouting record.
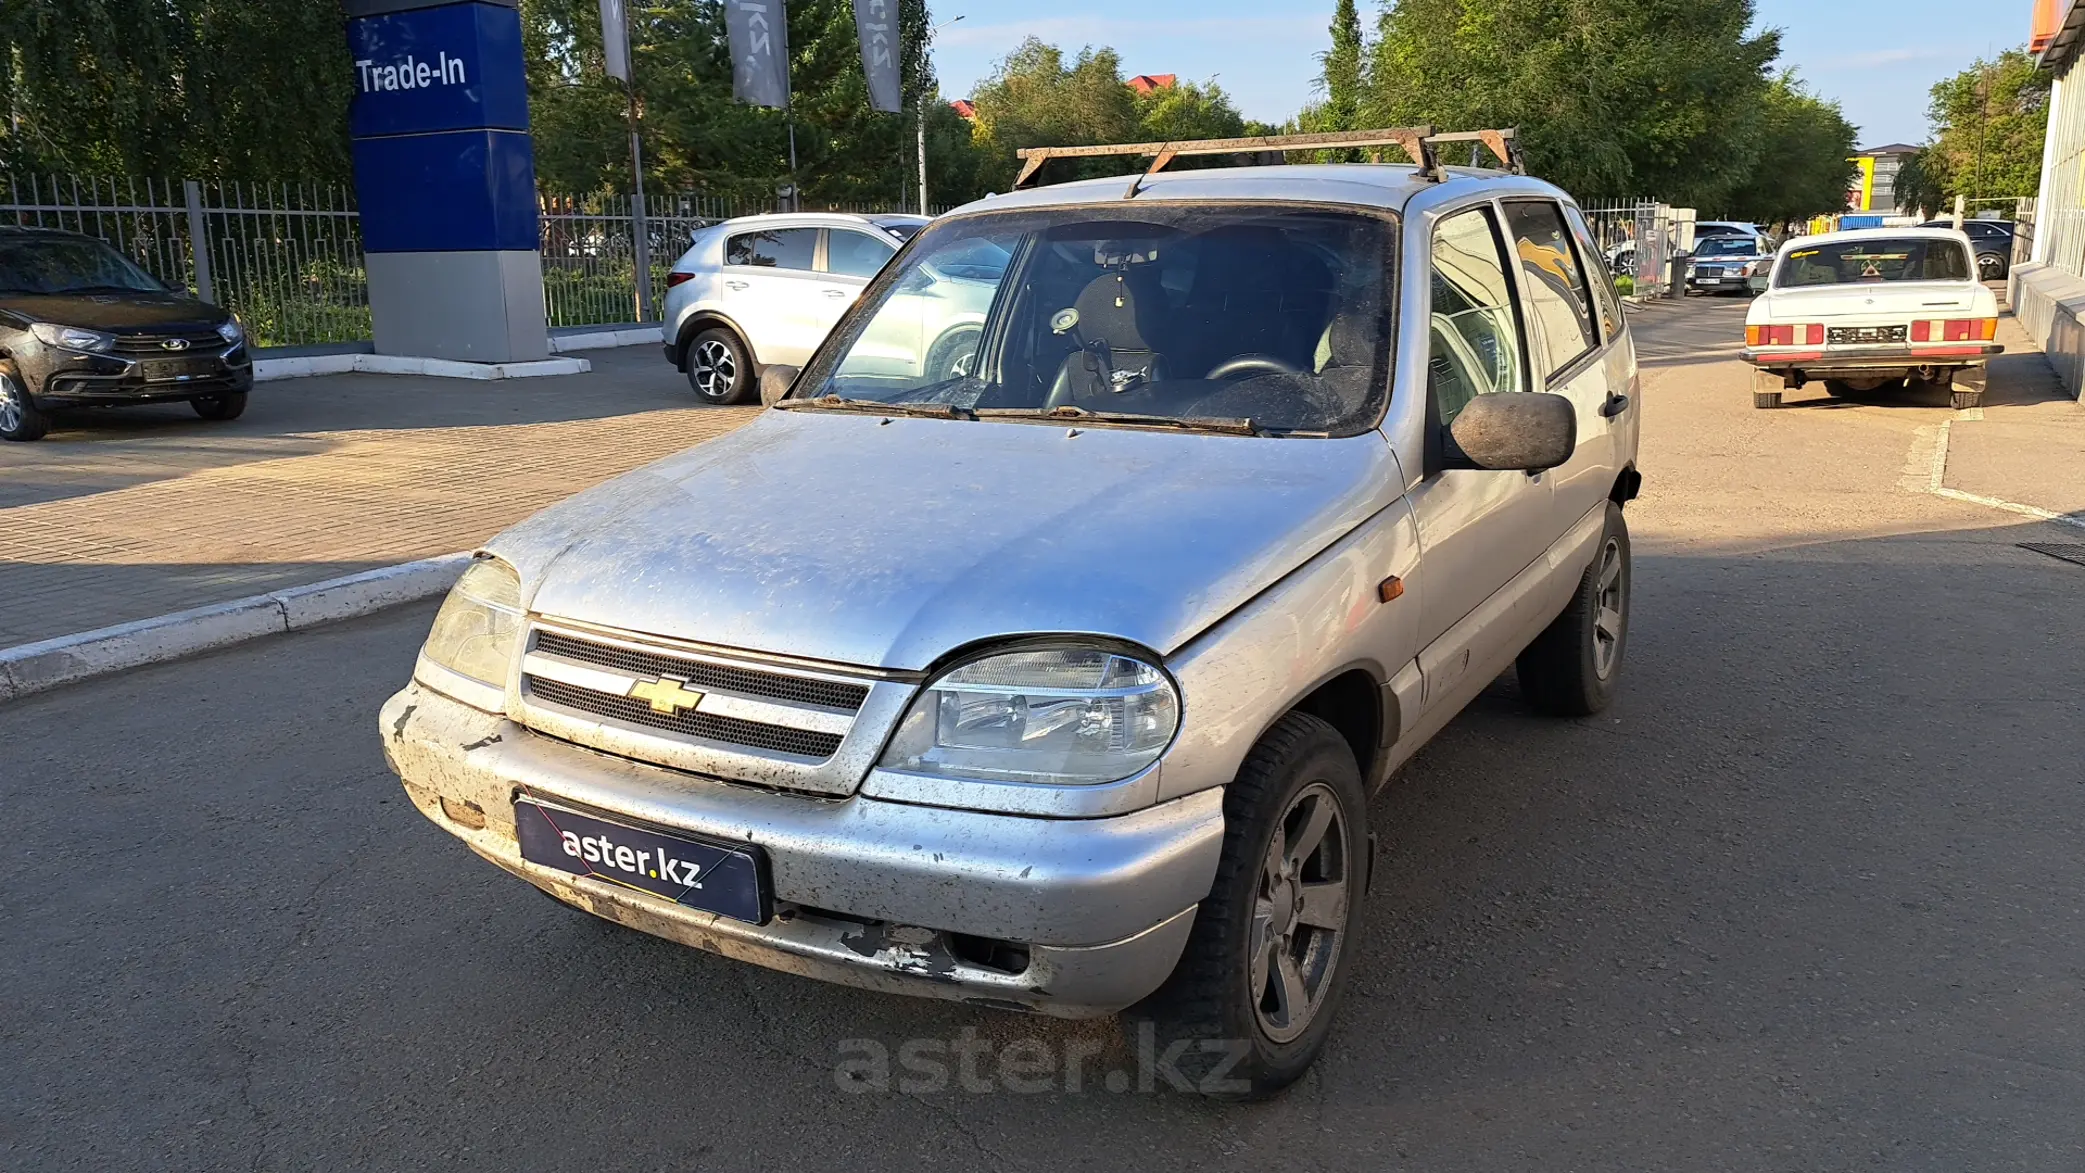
(1417, 142)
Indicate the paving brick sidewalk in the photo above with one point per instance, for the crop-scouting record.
(122, 515)
(2029, 447)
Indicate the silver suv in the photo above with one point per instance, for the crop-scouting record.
(1062, 680)
(761, 290)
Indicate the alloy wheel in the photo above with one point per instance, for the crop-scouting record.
(1610, 610)
(10, 404)
(1300, 913)
(715, 369)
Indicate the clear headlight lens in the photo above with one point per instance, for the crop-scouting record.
(230, 330)
(478, 628)
(72, 337)
(1063, 716)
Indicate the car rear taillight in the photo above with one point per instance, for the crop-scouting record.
(1812, 335)
(1954, 330)
(676, 277)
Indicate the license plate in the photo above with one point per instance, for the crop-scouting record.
(730, 879)
(1858, 335)
(157, 369)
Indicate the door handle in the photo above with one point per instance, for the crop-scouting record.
(1615, 405)
(735, 285)
(836, 293)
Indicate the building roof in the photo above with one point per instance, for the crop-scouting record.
(1146, 83)
(2056, 36)
(1890, 149)
(964, 107)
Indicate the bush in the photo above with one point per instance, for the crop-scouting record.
(1624, 284)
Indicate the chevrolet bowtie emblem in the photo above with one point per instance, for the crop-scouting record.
(667, 695)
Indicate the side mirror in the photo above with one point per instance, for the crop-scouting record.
(775, 382)
(1524, 430)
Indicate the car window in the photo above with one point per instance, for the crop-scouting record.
(67, 264)
(1603, 288)
(1475, 334)
(855, 254)
(1873, 261)
(1237, 316)
(1558, 295)
(775, 248)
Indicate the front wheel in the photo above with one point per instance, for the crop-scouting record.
(228, 406)
(1571, 668)
(19, 417)
(1990, 267)
(1251, 1002)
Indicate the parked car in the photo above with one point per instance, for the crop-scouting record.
(1735, 263)
(761, 290)
(1993, 241)
(1872, 310)
(80, 325)
(1059, 681)
(1704, 229)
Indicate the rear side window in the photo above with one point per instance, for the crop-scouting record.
(776, 248)
(855, 254)
(1475, 337)
(1558, 294)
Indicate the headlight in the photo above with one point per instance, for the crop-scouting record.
(479, 626)
(230, 330)
(1062, 716)
(72, 337)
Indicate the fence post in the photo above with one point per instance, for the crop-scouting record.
(198, 238)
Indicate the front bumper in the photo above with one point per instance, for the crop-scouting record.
(871, 893)
(91, 380)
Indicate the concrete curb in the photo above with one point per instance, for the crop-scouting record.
(606, 339)
(269, 369)
(68, 659)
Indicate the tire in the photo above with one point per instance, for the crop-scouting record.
(1964, 400)
(1571, 668)
(228, 406)
(953, 353)
(1990, 267)
(1219, 1016)
(1766, 399)
(719, 370)
(20, 419)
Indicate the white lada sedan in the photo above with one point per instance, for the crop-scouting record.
(1870, 311)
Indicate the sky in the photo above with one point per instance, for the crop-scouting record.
(1877, 57)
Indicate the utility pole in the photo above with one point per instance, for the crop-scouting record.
(925, 75)
(1983, 115)
(615, 46)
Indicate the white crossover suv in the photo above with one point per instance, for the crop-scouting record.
(1062, 677)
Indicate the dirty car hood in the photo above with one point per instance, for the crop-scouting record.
(854, 540)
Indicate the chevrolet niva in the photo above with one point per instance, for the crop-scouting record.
(1058, 678)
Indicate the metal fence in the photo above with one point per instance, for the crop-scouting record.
(286, 258)
(1637, 239)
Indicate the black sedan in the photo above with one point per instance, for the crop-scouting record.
(1993, 240)
(80, 325)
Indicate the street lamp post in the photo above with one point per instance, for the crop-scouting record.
(923, 119)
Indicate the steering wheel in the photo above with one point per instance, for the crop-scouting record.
(1236, 365)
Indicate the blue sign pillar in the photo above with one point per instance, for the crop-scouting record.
(445, 177)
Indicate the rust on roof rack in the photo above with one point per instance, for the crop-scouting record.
(1417, 142)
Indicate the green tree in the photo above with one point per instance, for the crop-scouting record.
(1988, 125)
(1613, 98)
(1036, 98)
(1804, 166)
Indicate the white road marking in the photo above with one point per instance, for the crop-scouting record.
(1929, 446)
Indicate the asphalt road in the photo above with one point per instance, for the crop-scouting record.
(1806, 898)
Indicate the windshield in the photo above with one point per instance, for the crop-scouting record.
(67, 264)
(1874, 261)
(1727, 246)
(1235, 317)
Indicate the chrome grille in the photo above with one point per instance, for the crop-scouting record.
(206, 341)
(729, 730)
(706, 674)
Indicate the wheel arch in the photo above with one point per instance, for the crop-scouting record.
(700, 320)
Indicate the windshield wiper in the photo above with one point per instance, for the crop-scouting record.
(944, 411)
(1079, 415)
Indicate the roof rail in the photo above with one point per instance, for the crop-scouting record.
(1417, 142)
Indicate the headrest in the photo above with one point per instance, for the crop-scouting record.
(1110, 312)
